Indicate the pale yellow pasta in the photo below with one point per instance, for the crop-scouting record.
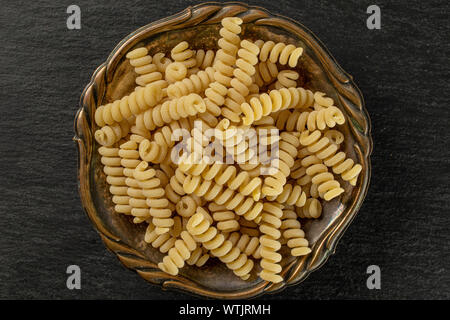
(109, 135)
(176, 71)
(143, 66)
(161, 62)
(292, 195)
(292, 232)
(273, 184)
(196, 83)
(202, 231)
(280, 52)
(270, 244)
(119, 110)
(312, 209)
(286, 79)
(172, 110)
(266, 104)
(327, 151)
(222, 154)
(211, 191)
(225, 59)
(113, 169)
(182, 54)
(241, 81)
(178, 254)
(204, 59)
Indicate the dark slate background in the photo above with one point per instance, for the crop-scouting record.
(402, 70)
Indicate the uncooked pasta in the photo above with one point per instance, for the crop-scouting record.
(224, 153)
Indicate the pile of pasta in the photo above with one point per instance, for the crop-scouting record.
(196, 208)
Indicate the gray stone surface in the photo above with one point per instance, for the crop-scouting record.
(402, 70)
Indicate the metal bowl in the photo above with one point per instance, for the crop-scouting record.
(199, 25)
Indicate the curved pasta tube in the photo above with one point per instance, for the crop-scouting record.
(310, 119)
(161, 62)
(293, 233)
(276, 100)
(270, 244)
(273, 185)
(178, 254)
(202, 231)
(172, 110)
(154, 197)
(326, 149)
(196, 83)
(109, 135)
(174, 190)
(321, 100)
(143, 66)
(241, 81)
(182, 54)
(163, 242)
(286, 79)
(113, 169)
(327, 185)
(247, 244)
(187, 205)
(311, 210)
(265, 73)
(211, 191)
(291, 195)
(249, 228)
(225, 59)
(280, 52)
(139, 100)
(223, 174)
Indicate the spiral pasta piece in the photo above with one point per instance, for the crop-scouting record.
(177, 255)
(187, 205)
(225, 59)
(223, 174)
(161, 62)
(139, 100)
(270, 244)
(291, 195)
(286, 79)
(163, 242)
(196, 83)
(273, 185)
(311, 210)
(265, 73)
(176, 71)
(248, 245)
(226, 220)
(204, 59)
(293, 233)
(241, 81)
(143, 66)
(281, 53)
(327, 185)
(172, 110)
(202, 231)
(276, 100)
(115, 178)
(211, 191)
(109, 135)
(249, 228)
